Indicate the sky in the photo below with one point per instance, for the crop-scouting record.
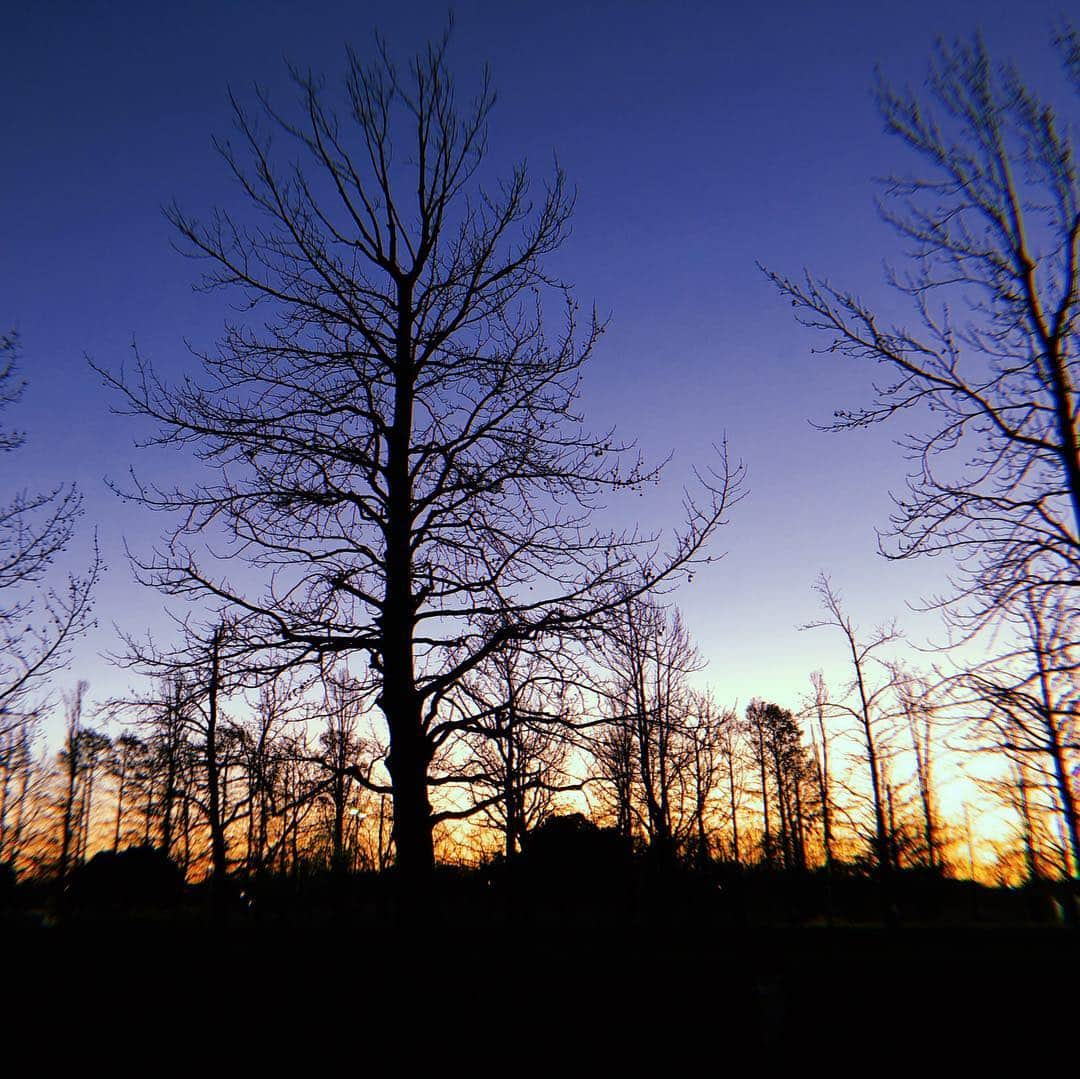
(702, 139)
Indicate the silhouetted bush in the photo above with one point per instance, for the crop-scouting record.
(571, 864)
(572, 846)
(136, 877)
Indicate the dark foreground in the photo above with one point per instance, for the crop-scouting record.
(613, 956)
(620, 989)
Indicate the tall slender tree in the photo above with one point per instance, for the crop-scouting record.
(867, 704)
(71, 775)
(1033, 706)
(818, 708)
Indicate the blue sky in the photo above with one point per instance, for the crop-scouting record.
(701, 137)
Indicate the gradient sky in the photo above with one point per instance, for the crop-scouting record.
(701, 137)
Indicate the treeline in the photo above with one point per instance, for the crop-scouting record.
(291, 781)
(423, 644)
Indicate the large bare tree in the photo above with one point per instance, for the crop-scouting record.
(992, 229)
(394, 429)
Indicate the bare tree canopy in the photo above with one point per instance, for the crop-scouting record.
(1026, 701)
(867, 705)
(394, 431)
(992, 231)
(37, 622)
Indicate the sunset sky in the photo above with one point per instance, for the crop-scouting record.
(701, 137)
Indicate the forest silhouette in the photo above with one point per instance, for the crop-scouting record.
(439, 695)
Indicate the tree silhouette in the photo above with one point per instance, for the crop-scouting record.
(731, 746)
(868, 707)
(72, 760)
(343, 752)
(919, 714)
(1032, 708)
(37, 622)
(817, 710)
(777, 749)
(21, 782)
(757, 724)
(992, 229)
(396, 438)
(659, 737)
(522, 722)
(123, 766)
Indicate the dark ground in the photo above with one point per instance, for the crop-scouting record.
(607, 952)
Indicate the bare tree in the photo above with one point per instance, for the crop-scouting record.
(22, 783)
(157, 762)
(123, 764)
(344, 752)
(71, 763)
(212, 732)
(919, 714)
(263, 741)
(757, 733)
(732, 749)
(614, 762)
(200, 747)
(992, 228)
(95, 748)
(818, 708)
(709, 731)
(37, 622)
(1034, 707)
(651, 747)
(524, 722)
(1024, 791)
(870, 702)
(396, 438)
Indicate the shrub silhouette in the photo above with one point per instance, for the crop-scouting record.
(136, 877)
(571, 857)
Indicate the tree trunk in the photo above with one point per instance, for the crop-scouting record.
(1062, 779)
(410, 752)
(881, 830)
(1031, 860)
(734, 809)
(798, 833)
(826, 804)
(120, 801)
(218, 854)
(407, 763)
(764, 799)
(337, 852)
(171, 749)
(67, 823)
(780, 780)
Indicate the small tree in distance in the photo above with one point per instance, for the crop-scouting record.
(868, 697)
(647, 749)
(396, 442)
